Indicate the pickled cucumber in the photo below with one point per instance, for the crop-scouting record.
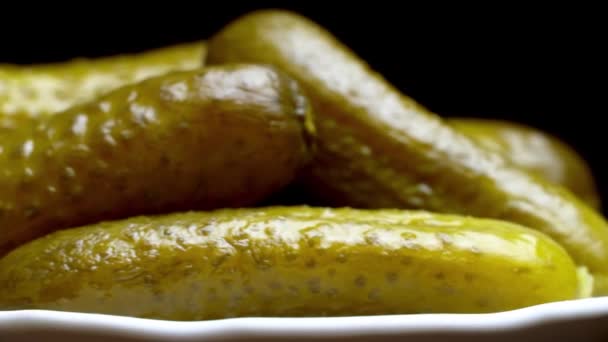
(288, 261)
(201, 139)
(33, 90)
(378, 148)
(534, 151)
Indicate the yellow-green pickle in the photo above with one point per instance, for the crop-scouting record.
(42, 89)
(534, 151)
(202, 139)
(289, 261)
(377, 148)
(56, 87)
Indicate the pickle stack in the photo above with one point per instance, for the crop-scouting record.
(136, 185)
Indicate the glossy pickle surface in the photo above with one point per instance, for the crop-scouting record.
(536, 152)
(208, 138)
(288, 261)
(42, 89)
(62, 85)
(378, 148)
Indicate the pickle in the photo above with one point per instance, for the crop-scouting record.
(39, 89)
(378, 148)
(534, 151)
(202, 139)
(288, 261)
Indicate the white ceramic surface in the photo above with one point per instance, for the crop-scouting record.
(579, 320)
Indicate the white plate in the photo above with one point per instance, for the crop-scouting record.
(579, 320)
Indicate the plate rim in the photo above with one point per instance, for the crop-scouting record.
(311, 327)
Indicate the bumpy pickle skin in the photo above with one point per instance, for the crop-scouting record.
(209, 138)
(379, 148)
(536, 152)
(288, 261)
(43, 89)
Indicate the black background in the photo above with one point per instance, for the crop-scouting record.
(543, 66)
